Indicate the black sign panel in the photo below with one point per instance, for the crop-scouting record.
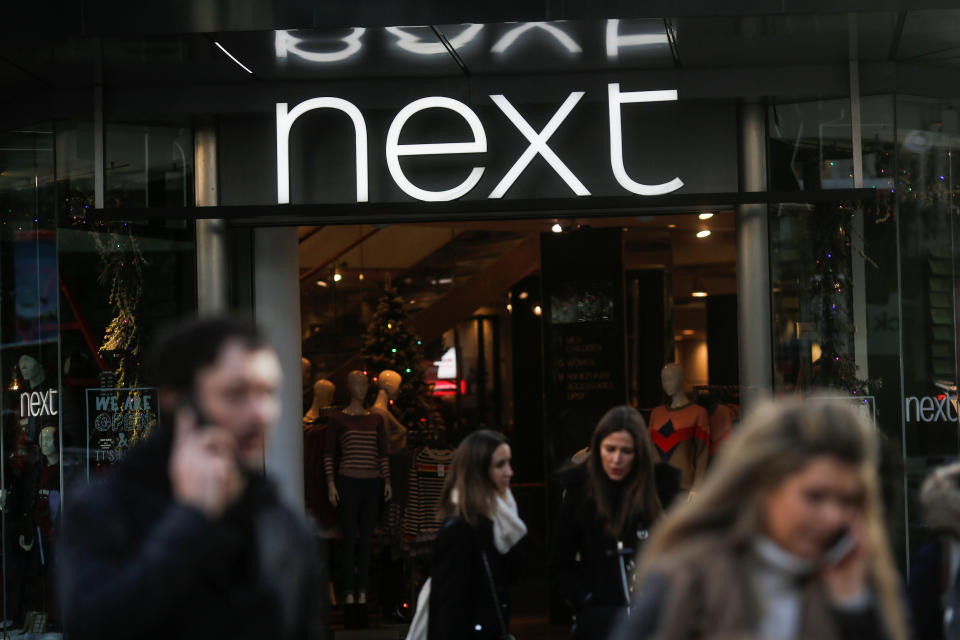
(584, 335)
(494, 139)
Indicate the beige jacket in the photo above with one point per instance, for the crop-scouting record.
(702, 592)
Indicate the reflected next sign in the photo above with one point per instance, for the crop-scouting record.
(537, 144)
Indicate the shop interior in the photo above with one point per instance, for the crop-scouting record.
(469, 300)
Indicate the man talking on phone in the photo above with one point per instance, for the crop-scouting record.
(186, 538)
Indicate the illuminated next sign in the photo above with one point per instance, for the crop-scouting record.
(478, 144)
(34, 404)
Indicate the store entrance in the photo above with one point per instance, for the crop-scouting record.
(530, 327)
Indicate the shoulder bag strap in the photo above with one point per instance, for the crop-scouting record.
(504, 635)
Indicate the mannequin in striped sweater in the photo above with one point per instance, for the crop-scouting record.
(357, 442)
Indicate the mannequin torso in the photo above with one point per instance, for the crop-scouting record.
(360, 438)
(680, 430)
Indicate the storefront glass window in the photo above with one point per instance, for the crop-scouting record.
(30, 477)
(810, 145)
(83, 296)
(926, 179)
(148, 166)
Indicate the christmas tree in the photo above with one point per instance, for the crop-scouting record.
(391, 343)
(830, 299)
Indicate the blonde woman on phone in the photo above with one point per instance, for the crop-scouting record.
(785, 541)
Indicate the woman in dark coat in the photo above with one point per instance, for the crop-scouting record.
(933, 585)
(475, 554)
(610, 503)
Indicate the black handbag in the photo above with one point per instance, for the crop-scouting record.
(504, 634)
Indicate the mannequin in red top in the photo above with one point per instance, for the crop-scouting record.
(680, 430)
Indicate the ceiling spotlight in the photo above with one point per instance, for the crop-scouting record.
(699, 294)
(523, 295)
(703, 234)
(706, 216)
(688, 332)
(537, 311)
(337, 276)
(556, 228)
(509, 308)
(360, 277)
(671, 226)
(322, 283)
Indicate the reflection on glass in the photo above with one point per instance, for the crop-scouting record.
(810, 146)
(303, 47)
(557, 34)
(30, 402)
(428, 45)
(617, 41)
(148, 166)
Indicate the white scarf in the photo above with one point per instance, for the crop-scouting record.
(508, 528)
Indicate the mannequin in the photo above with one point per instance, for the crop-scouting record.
(323, 392)
(360, 439)
(391, 525)
(315, 424)
(680, 430)
(32, 371)
(389, 383)
(36, 380)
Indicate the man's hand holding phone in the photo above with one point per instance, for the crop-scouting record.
(203, 465)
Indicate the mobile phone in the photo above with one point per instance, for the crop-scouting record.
(840, 548)
(189, 401)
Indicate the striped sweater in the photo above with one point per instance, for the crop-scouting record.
(428, 473)
(359, 445)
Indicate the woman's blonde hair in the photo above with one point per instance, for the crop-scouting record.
(469, 492)
(779, 439)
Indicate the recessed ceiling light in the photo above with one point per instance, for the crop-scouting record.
(703, 234)
(556, 228)
(671, 226)
(699, 294)
(706, 216)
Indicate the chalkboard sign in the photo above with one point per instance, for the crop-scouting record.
(117, 418)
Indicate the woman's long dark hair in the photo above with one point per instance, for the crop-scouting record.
(639, 495)
(469, 477)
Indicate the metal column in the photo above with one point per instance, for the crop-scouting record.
(277, 311)
(753, 260)
(857, 240)
(212, 284)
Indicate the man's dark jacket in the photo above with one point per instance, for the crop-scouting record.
(134, 563)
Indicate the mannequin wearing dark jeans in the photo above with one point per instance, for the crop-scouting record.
(359, 503)
(355, 460)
